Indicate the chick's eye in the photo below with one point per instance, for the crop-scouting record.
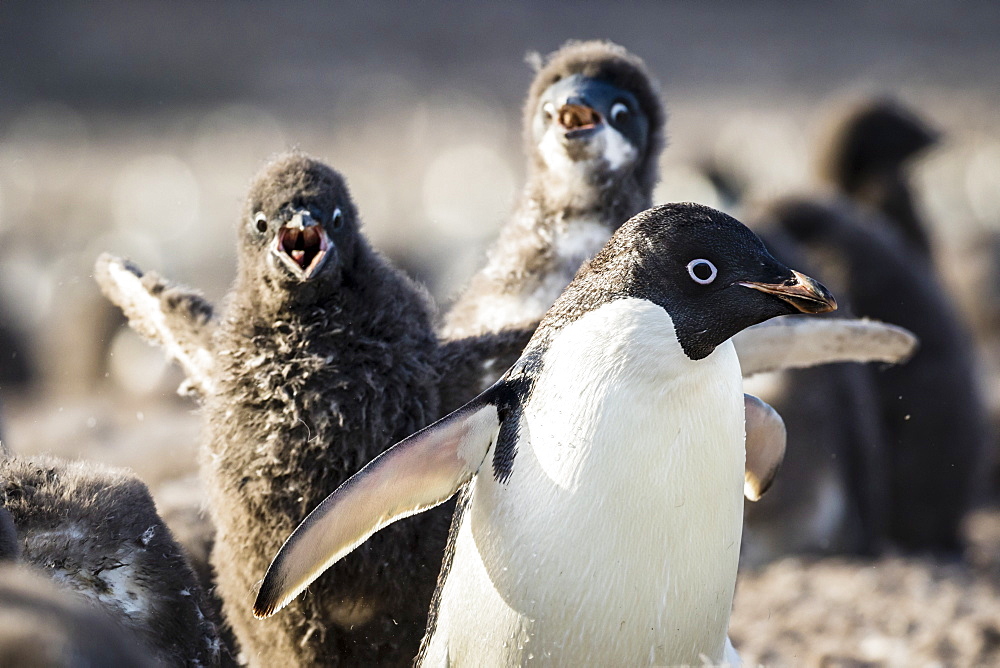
(260, 221)
(338, 219)
(702, 271)
(619, 112)
(549, 110)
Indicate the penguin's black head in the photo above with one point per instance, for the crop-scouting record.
(593, 103)
(712, 275)
(873, 138)
(300, 224)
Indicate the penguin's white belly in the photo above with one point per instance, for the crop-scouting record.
(616, 539)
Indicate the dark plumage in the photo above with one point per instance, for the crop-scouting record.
(831, 494)
(866, 156)
(42, 625)
(9, 549)
(17, 368)
(591, 166)
(95, 531)
(321, 361)
(931, 410)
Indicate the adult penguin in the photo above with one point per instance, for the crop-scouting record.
(602, 522)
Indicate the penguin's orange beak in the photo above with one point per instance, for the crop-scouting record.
(578, 117)
(804, 293)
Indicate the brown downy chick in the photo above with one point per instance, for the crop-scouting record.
(593, 131)
(95, 531)
(324, 355)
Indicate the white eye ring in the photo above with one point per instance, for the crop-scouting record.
(694, 265)
(338, 219)
(619, 110)
(549, 109)
(260, 221)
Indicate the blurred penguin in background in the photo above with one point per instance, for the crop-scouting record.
(931, 409)
(866, 156)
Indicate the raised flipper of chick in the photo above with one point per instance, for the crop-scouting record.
(176, 318)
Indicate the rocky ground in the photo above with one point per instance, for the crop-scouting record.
(893, 611)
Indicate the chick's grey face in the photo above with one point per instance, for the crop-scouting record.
(589, 122)
(303, 239)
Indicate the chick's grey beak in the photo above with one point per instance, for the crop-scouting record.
(805, 294)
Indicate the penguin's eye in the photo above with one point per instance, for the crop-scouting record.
(701, 271)
(619, 112)
(338, 219)
(260, 221)
(549, 110)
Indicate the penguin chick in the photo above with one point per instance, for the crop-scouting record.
(866, 155)
(94, 530)
(593, 131)
(602, 521)
(42, 625)
(324, 354)
(931, 410)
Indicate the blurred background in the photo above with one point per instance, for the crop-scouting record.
(135, 128)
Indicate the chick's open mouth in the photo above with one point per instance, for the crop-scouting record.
(303, 249)
(577, 119)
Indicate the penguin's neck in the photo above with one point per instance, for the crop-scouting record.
(584, 190)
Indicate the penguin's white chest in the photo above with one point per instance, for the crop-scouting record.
(616, 539)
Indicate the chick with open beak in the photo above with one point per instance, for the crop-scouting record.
(300, 228)
(302, 244)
